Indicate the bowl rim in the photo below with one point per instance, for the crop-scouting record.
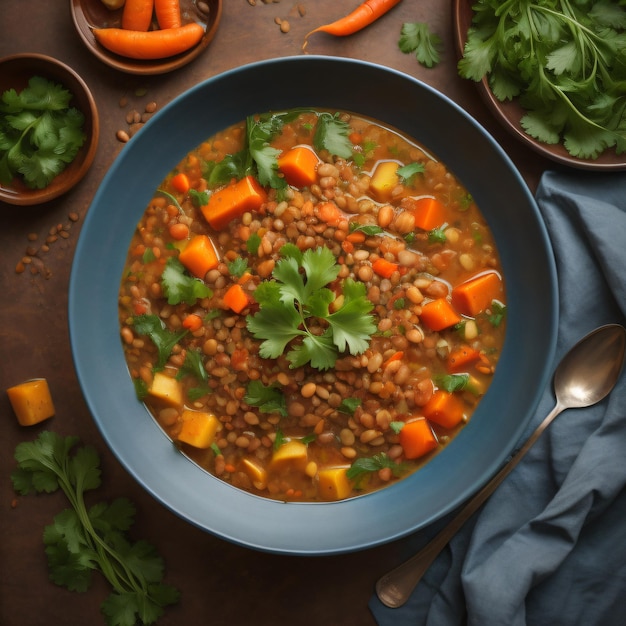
(277, 527)
(86, 154)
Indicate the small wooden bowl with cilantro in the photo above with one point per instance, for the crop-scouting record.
(49, 129)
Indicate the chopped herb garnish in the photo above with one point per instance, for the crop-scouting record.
(296, 297)
(438, 235)
(193, 365)
(498, 313)
(331, 133)
(368, 229)
(198, 198)
(366, 465)
(268, 399)
(408, 172)
(452, 382)
(164, 339)
(179, 287)
(238, 267)
(349, 405)
(253, 243)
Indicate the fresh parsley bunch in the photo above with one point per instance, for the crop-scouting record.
(39, 132)
(296, 304)
(84, 539)
(564, 60)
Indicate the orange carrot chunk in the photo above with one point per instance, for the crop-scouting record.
(444, 408)
(150, 45)
(461, 358)
(417, 438)
(236, 298)
(439, 314)
(199, 256)
(233, 201)
(168, 13)
(180, 182)
(429, 213)
(299, 166)
(330, 213)
(384, 268)
(475, 295)
(137, 14)
(192, 322)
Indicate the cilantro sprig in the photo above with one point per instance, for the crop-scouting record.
(566, 63)
(295, 305)
(40, 133)
(417, 38)
(84, 539)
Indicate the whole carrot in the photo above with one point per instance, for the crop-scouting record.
(361, 17)
(137, 14)
(168, 13)
(154, 44)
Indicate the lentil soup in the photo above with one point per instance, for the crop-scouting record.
(312, 305)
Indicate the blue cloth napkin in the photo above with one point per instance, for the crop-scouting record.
(549, 547)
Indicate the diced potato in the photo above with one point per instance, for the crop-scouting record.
(257, 474)
(292, 453)
(166, 389)
(31, 401)
(198, 428)
(334, 483)
(384, 180)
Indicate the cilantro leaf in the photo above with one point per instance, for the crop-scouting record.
(81, 541)
(297, 293)
(417, 38)
(349, 405)
(367, 465)
(268, 399)
(410, 171)
(331, 133)
(164, 339)
(179, 287)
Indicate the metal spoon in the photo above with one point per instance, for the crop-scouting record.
(586, 375)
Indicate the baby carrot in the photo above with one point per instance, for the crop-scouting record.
(137, 14)
(154, 44)
(168, 13)
(361, 17)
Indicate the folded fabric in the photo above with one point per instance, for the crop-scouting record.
(549, 547)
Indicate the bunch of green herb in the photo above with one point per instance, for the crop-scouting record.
(85, 539)
(295, 305)
(566, 63)
(40, 134)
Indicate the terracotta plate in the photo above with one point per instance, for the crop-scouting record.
(510, 113)
(89, 14)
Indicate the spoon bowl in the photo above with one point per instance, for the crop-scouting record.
(584, 377)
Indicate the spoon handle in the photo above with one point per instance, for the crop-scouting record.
(394, 588)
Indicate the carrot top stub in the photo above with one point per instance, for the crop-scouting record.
(233, 201)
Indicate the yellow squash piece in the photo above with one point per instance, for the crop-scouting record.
(166, 389)
(334, 483)
(384, 180)
(257, 474)
(31, 401)
(198, 428)
(292, 453)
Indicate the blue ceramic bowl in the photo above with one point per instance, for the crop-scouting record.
(471, 458)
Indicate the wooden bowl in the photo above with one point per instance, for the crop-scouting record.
(15, 72)
(510, 112)
(90, 14)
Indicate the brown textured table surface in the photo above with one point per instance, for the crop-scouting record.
(220, 583)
